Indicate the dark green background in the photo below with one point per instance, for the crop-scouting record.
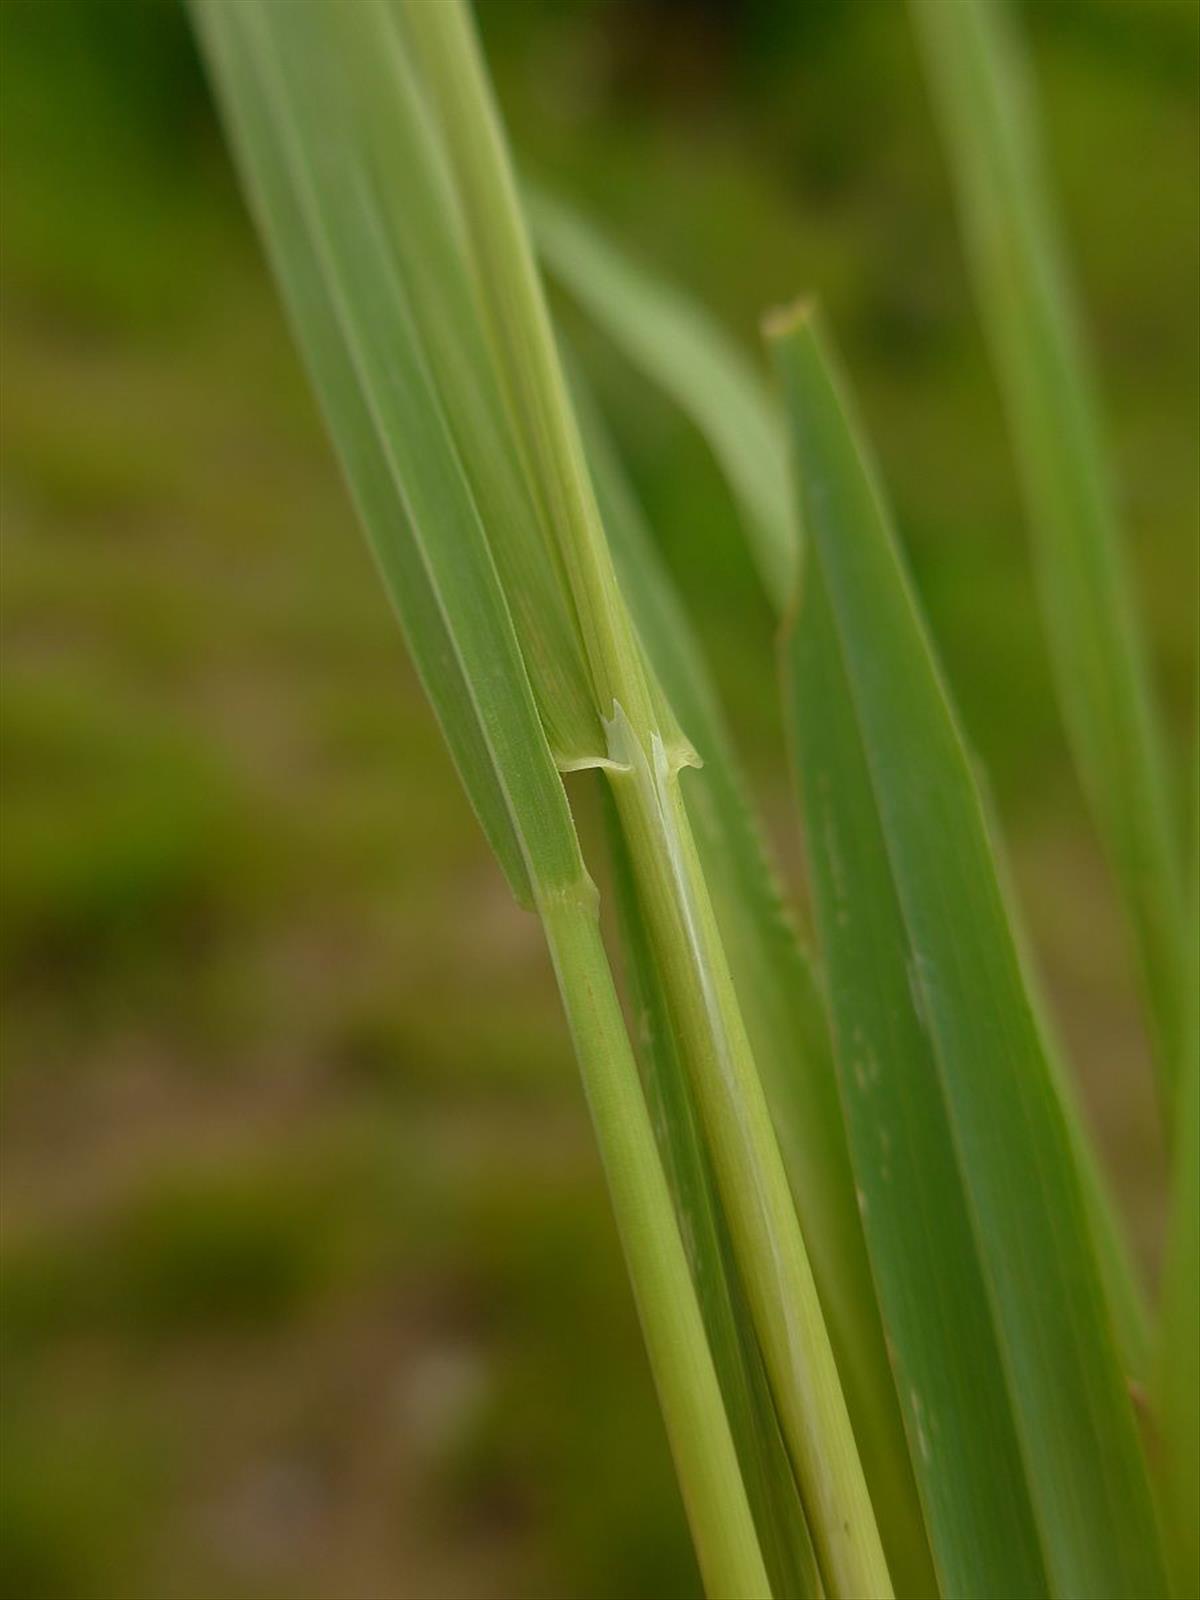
(309, 1284)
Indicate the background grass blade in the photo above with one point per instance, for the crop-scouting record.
(679, 348)
(784, 1010)
(1086, 593)
(1178, 1389)
(766, 1468)
(1071, 1410)
(274, 72)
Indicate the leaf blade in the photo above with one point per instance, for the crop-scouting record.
(688, 356)
(1178, 1374)
(398, 454)
(947, 1363)
(1072, 1415)
(410, 485)
(1095, 644)
(421, 209)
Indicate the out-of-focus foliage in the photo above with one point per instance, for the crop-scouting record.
(308, 1282)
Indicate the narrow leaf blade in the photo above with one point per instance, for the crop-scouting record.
(351, 320)
(1096, 648)
(1071, 1410)
(1178, 1388)
(413, 187)
(687, 355)
(947, 1362)
(290, 126)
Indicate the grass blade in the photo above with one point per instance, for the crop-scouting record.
(354, 326)
(353, 321)
(1178, 1388)
(948, 1367)
(416, 200)
(1071, 1410)
(1095, 645)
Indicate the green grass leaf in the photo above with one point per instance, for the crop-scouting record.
(288, 108)
(1008, 1132)
(688, 356)
(355, 326)
(1095, 645)
(418, 204)
(1178, 1377)
(947, 1362)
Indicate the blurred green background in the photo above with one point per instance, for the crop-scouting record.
(309, 1285)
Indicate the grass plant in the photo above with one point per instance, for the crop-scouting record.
(885, 1303)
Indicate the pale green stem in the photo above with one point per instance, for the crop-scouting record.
(705, 1459)
(750, 1173)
